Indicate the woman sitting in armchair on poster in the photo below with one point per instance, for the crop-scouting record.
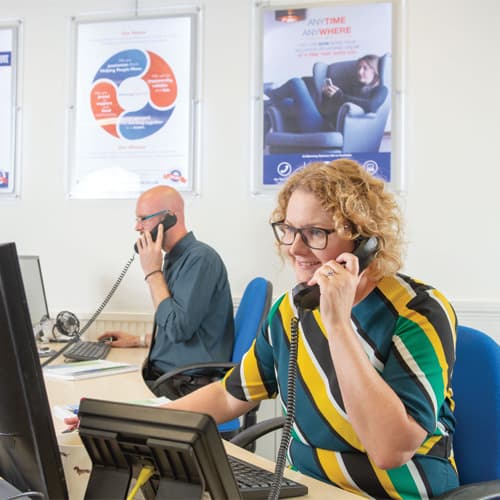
(295, 101)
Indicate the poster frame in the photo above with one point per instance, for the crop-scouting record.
(191, 113)
(10, 132)
(398, 175)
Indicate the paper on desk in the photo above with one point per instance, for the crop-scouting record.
(65, 411)
(79, 370)
(150, 401)
(70, 410)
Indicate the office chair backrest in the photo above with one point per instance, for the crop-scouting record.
(476, 388)
(252, 311)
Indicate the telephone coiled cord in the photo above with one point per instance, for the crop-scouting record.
(290, 411)
(108, 297)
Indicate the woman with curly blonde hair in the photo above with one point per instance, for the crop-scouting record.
(359, 204)
(374, 357)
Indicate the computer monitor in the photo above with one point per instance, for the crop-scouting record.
(184, 449)
(29, 453)
(35, 290)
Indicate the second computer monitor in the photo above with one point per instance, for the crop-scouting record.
(31, 271)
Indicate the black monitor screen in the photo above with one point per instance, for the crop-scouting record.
(29, 453)
(183, 449)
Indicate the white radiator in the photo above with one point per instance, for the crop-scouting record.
(136, 324)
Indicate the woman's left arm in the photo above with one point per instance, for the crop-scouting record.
(389, 434)
(377, 414)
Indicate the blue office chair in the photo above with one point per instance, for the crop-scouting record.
(252, 311)
(476, 389)
(476, 443)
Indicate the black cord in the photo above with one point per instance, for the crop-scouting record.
(290, 411)
(60, 351)
(76, 338)
(32, 494)
(108, 297)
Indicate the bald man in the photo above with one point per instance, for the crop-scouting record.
(189, 287)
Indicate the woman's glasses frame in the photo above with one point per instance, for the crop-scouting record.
(285, 234)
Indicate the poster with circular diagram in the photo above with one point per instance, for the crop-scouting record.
(133, 94)
(133, 116)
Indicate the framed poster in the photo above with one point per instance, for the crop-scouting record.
(134, 112)
(329, 88)
(9, 61)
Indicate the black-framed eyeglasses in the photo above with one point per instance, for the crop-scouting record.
(314, 237)
(144, 218)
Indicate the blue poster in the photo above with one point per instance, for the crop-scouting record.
(327, 79)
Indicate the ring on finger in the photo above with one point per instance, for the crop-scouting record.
(330, 273)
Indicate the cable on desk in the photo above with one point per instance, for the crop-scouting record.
(32, 494)
(146, 472)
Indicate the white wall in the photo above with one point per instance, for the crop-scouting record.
(451, 120)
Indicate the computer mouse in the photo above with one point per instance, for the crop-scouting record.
(45, 352)
(107, 339)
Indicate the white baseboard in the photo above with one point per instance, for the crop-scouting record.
(484, 316)
(135, 323)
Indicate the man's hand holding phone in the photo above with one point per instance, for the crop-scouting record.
(150, 250)
(151, 255)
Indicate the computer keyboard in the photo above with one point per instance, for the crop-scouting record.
(254, 482)
(84, 350)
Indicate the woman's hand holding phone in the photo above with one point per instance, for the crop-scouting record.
(329, 89)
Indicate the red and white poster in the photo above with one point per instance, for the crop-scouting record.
(133, 107)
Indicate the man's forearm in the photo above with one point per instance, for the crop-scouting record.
(158, 288)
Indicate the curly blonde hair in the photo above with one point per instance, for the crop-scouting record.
(360, 206)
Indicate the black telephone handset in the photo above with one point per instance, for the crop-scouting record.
(307, 297)
(168, 221)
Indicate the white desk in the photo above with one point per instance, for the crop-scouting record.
(126, 387)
